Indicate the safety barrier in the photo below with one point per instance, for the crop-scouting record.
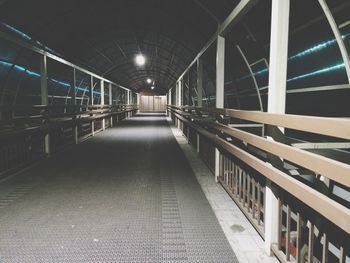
(28, 133)
(314, 224)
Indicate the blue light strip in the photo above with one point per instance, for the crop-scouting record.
(301, 54)
(316, 48)
(319, 72)
(28, 38)
(18, 32)
(34, 74)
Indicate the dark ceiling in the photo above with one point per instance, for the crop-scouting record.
(105, 36)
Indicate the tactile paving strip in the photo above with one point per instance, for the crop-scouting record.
(173, 242)
(126, 195)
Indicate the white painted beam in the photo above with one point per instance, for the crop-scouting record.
(276, 102)
(44, 97)
(220, 87)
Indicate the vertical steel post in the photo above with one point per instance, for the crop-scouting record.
(138, 102)
(91, 90)
(103, 102)
(220, 75)
(110, 102)
(75, 127)
(199, 92)
(199, 82)
(92, 103)
(169, 100)
(128, 101)
(180, 90)
(276, 101)
(44, 98)
(117, 93)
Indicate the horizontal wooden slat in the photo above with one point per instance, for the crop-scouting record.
(337, 171)
(335, 127)
(327, 207)
(53, 123)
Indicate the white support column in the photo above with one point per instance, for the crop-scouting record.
(180, 92)
(110, 102)
(168, 102)
(220, 81)
(44, 98)
(103, 102)
(92, 103)
(138, 102)
(128, 101)
(75, 127)
(199, 92)
(200, 82)
(276, 101)
(92, 90)
(179, 97)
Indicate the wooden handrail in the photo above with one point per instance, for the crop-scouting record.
(330, 209)
(332, 169)
(334, 127)
(50, 124)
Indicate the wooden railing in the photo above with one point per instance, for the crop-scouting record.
(247, 159)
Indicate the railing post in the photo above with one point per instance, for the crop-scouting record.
(75, 127)
(92, 103)
(220, 74)
(168, 101)
(110, 102)
(179, 98)
(138, 102)
(199, 82)
(199, 92)
(103, 102)
(128, 102)
(44, 98)
(276, 102)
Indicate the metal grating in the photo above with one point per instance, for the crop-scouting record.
(126, 195)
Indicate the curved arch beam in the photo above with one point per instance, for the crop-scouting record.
(253, 77)
(338, 37)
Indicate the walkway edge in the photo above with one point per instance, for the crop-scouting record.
(243, 238)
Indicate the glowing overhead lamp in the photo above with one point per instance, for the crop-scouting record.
(149, 81)
(140, 60)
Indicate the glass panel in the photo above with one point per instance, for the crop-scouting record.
(19, 75)
(247, 52)
(209, 76)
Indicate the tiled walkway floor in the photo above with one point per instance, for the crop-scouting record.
(126, 195)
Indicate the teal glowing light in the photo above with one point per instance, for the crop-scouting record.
(306, 52)
(35, 74)
(19, 68)
(319, 72)
(18, 32)
(316, 48)
(28, 38)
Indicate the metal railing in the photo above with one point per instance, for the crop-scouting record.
(313, 225)
(23, 129)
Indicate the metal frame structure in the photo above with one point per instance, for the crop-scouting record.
(243, 175)
(47, 122)
(277, 69)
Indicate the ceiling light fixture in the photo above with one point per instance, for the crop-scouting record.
(149, 81)
(140, 60)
